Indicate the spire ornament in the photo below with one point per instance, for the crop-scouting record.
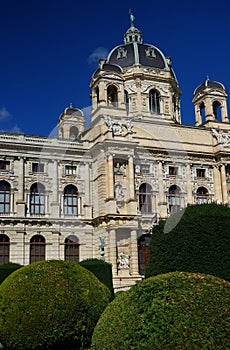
(132, 18)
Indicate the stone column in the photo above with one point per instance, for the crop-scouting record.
(189, 185)
(134, 254)
(223, 184)
(224, 113)
(110, 180)
(198, 116)
(55, 190)
(162, 203)
(113, 251)
(208, 110)
(102, 95)
(88, 207)
(131, 178)
(21, 204)
(139, 101)
(217, 184)
(121, 98)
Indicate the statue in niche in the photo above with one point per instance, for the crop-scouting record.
(119, 168)
(119, 194)
(123, 261)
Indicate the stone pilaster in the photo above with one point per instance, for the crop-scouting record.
(21, 203)
(134, 268)
(113, 251)
(223, 184)
(162, 201)
(189, 184)
(110, 179)
(217, 184)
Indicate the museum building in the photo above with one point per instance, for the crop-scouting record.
(97, 191)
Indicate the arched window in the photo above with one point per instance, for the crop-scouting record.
(174, 199)
(145, 199)
(37, 199)
(4, 249)
(143, 252)
(4, 197)
(217, 110)
(72, 249)
(154, 102)
(112, 96)
(202, 112)
(70, 200)
(201, 195)
(127, 101)
(37, 248)
(73, 133)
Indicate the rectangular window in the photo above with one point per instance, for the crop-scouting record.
(200, 172)
(173, 171)
(4, 165)
(145, 168)
(38, 167)
(70, 169)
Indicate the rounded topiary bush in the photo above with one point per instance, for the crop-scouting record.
(50, 305)
(171, 311)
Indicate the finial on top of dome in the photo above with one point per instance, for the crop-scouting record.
(132, 18)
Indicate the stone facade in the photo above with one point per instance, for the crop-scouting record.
(96, 192)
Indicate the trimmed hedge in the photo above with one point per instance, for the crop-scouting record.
(102, 270)
(170, 311)
(50, 305)
(7, 269)
(197, 241)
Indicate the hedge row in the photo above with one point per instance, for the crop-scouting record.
(196, 240)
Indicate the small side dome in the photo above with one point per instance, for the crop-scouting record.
(71, 123)
(210, 85)
(72, 111)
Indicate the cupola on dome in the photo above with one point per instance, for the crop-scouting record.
(135, 52)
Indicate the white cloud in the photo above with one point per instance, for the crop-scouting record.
(15, 130)
(98, 53)
(4, 114)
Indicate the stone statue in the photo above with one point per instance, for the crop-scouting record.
(132, 18)
(123, 261)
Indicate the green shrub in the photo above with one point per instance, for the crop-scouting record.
(170, 311)
(102, 270)
(197, 241)
(50, 305)
(7, 269)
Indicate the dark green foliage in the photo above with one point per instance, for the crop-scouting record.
(102, 270)
(7, 269)
(167, 312)
(50, 305)
(199, 241)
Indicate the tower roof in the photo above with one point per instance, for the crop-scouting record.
(209, 84)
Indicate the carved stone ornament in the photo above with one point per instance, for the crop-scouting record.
(119, 128)
(222, 137)
(123, 261)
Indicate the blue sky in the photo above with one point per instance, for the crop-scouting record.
(50, 49)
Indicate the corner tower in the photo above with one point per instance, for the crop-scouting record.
(136, 79)
(210, 102)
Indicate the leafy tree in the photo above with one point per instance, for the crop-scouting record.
(196, 240)
(50, 305)
(171, 311)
